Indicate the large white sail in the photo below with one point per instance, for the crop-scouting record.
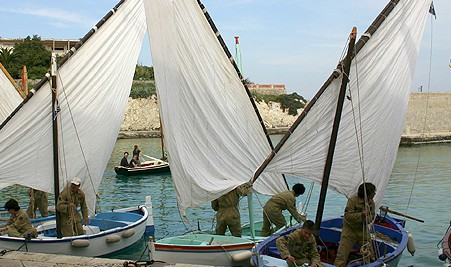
(214, 139)
(9, 97)
(93, 89)
(373, 113)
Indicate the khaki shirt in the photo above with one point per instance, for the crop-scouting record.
(353, 218)
(68, 196)
(20, 222)
(231, 199)
(283, 201)
(297, 246)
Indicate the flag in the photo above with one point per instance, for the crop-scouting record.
(432, 10)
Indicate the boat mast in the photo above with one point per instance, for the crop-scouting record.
(345, 66)
(55, 111)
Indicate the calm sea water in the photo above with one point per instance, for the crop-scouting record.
(420, 187)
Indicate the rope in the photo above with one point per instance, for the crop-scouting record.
(424, 121)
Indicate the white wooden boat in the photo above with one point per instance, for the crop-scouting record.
(73, 116)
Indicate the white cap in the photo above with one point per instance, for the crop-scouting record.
(75, 181)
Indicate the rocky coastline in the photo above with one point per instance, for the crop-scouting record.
(429, 123)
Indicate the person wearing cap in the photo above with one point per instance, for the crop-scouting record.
(68, 201)
(19, 224)
(299, 247)
(272, 211)
(227, 213)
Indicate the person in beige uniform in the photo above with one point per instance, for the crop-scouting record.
(227, 212)
(300, 247)
(272, 211)
(359, 213)
(19, 224)
(68, 201)
(38, 200)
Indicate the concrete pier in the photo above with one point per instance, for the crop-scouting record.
(30, 259)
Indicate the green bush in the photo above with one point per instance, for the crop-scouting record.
(292, 102)
(142, 90)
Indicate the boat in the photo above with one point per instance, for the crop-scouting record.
(83, 96)
(152, 166)
(350, 131)
(214, 135)
(444, 253)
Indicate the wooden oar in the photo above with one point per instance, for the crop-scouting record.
(400, 214)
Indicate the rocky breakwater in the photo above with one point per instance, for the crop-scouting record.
(142, 118)
(428, 118)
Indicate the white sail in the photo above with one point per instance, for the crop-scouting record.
(93, 89)
(9, 97)
(214, 139)
(372, 123)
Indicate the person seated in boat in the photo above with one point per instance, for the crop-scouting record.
(227, 212)
(300, 247)
(137, 152)
(272, 211)
(19, 224)
(38, 200)
(134, 162)
(68, 201)
(359, 213)
(124, 160)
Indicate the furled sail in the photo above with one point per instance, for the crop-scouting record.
(214, 139)
(373, 113)
(9, 97)
(93, 89)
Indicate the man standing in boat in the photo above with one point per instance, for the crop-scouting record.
(359, 213)
(272, 211)
(38, 200)
(300, 247)
(227, 212)
(124, 161)
(68, 201)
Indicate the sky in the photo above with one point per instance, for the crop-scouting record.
(293, 42)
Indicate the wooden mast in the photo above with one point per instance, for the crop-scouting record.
(345, 66)
(55, 110)
(360, 44)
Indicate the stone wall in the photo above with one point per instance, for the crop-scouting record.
(428, 115)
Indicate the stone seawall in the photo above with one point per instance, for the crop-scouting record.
(428, 118)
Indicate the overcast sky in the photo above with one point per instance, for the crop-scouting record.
(296, 43)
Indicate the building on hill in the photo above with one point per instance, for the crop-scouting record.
(267, 89)
(58, 46)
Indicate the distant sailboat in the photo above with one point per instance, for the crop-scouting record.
(73, 116)
(350, 132)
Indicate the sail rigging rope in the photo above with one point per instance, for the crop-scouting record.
(79, 142)
(424, 121)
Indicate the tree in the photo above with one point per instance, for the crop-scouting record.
(7, 57)
(31, 53)
(143, 73)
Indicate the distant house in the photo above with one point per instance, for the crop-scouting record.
(267, 89)
(58, 46)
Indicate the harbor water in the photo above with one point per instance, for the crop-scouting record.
(419, 187)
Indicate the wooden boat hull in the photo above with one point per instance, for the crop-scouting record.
(446, 244)
(205, 249)
(151, 169)
(268, 255)
(106, 233)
